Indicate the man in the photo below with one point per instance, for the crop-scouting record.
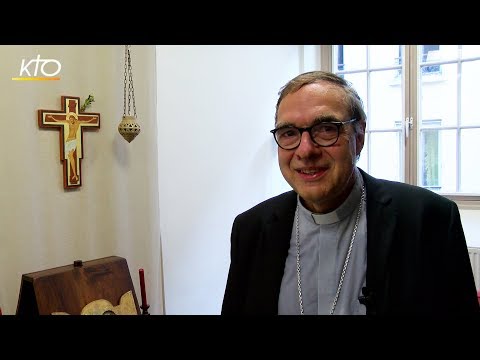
(343, 242)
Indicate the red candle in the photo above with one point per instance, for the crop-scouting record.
(142, 288)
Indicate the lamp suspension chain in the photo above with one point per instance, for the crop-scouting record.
(125, 82)
(131, 90)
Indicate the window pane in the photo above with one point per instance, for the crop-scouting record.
(431, 53)
(386, 100)
(470, 80)
(438, 95)
(384, 56)
(437, 160)
(469, 169)
(430, 148)
(385, 155)
(349, 57)
(359, 83)
(470, 51)
(363, 161)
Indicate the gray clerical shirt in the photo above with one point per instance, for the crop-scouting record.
(324, 243)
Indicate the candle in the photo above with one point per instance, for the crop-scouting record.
(142, 288)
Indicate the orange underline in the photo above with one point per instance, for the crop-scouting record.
(36, 78)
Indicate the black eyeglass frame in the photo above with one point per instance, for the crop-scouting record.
(308, 129)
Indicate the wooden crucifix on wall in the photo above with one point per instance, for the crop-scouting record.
(70, 122)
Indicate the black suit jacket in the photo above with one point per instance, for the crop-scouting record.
(417, 258)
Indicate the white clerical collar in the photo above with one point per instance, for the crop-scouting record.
(340, 213)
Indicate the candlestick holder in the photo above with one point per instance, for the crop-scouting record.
(144, 305)
(144, 308)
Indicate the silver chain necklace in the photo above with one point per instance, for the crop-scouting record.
(345, 265)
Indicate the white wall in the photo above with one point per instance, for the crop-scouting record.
(216, 156)
(471, 224)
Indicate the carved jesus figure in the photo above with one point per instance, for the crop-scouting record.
(73, 123)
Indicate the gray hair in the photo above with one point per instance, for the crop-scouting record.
(353, 100)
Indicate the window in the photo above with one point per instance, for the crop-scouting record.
(423, 124)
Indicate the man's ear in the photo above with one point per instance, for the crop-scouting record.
(360, 137)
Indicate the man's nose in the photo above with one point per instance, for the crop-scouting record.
(306, 144)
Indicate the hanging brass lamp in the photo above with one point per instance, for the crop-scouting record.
(128, 127)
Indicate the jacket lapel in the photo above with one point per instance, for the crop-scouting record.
(271, 256)
(381, 222)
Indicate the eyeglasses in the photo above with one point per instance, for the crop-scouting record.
(324, 134)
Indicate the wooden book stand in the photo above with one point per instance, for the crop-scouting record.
(69, 289)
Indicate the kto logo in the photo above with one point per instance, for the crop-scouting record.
(48, 68)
